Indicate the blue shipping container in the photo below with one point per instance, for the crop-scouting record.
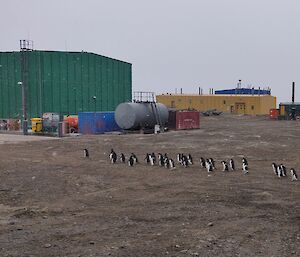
(97, 122)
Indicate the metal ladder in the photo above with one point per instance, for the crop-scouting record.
(149, 97)
(156, 113)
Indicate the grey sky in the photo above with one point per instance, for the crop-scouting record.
(171, 43)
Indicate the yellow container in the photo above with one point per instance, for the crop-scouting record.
(37, 124)
(282, 110)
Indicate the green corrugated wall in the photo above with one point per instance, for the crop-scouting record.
(63, 82)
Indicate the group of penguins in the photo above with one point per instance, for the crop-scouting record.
(163, 160)
(280, 171)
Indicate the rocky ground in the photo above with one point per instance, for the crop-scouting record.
(53, 202)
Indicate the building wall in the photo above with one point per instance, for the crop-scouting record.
(63, 82)
(241, 104)
(266, 102)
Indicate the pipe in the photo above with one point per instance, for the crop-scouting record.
(293, 92)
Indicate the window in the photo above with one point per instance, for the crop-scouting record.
(252, 107)
(224, 102)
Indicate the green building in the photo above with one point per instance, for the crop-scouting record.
(62, 82)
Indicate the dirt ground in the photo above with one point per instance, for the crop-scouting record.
(53, 202)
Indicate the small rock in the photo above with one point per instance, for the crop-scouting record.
(210, 224)
(183, 251)
(47, 245)
(92, 242)
(19, 228)
(45, 217)
(11, 223)
(177, 246)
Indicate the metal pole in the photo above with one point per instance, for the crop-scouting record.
(25, 122)
(23, 83)
(293, 92)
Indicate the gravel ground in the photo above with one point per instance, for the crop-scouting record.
(54, 202)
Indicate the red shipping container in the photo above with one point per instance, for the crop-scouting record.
(274, 114)
(187, 120)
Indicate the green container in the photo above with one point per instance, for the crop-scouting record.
(63, 82)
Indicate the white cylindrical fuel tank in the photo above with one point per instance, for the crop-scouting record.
(140, 115)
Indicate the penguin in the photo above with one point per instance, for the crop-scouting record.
(274, 166)
(130, 161)
(245, 168)
(153, 158)
(212, 162)
(171, 164)
(122, 158)
(179, 157)
(283, 170)
(202, 162)
(225, 166)
(190, 159)
(135, 159)
(147, 158)
(294, 175)
(231, 164)
(208, 165)
(166, 162)
(86, 153)
(160, 159)
(279, 171)
(113, 157)
(112, 152)
(184, 162)
(244, 161)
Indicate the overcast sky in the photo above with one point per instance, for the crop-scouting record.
(171, 43)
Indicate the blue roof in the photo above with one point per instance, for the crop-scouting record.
(243, 91)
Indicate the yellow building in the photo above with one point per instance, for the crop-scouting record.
(239, 104)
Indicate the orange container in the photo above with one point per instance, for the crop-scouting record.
(274, 114)
(71, 124)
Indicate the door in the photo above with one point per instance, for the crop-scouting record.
(240, 108)
(231, 109)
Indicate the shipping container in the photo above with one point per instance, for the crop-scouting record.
(62, 82)
(274, 113)
(172, 119)
(179, 120)
(187, 120)
(97, 122)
